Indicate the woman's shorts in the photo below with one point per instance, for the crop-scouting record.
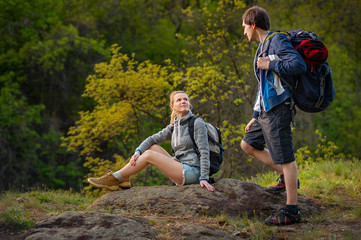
(190, 174)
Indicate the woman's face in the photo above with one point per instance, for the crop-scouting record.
(180, 104)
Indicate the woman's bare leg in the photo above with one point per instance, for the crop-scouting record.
(159, 158)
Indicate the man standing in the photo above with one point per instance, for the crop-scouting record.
(271, 121)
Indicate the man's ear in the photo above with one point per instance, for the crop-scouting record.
(254, 26)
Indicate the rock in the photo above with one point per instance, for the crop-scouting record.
(201, 232)
(232, 197)
(90, 225)
(140, 213)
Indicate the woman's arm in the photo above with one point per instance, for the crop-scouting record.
(201, 139)
(161, 136)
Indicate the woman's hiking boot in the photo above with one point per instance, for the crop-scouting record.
(110, 182)
(281, 186)
(284, 217)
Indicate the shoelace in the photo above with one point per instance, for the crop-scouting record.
(283, 212)
(281, 217)
(106, 176)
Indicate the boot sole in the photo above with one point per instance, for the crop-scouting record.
(273, 190)
(124, 185)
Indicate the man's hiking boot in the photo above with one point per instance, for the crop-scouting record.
(284, 217)
(280, 186)
(110, 182)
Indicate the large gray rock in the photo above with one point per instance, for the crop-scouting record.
(138, 213)
(232, 197)
(90, 225)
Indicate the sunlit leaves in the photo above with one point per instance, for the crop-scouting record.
(126, 94)
(218, 74)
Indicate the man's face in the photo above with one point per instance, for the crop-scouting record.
(249, 32)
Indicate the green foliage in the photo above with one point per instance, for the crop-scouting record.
(49, 47)
(217, 73)
(19, 211)
(333, 181)
(323, 173)
(19, 141)
(324, 151)
(17, 219)
(152, 176)
(340, 122)
(146, 28)
(44, 62)
(123, 101)
(126, 93)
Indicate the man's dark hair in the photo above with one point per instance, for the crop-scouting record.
(257, 15)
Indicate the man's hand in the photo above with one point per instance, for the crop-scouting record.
(263, 63)
(249, 125)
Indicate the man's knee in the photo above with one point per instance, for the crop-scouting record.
(247, 148)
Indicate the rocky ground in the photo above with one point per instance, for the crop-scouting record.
(190, 212)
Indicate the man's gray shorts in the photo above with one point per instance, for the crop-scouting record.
(273, 128)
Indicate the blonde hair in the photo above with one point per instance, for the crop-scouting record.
(171, 101)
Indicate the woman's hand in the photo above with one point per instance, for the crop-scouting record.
(134, 158)
(249, 124)
(204, 183)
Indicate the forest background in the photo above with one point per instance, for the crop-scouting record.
(73, 104)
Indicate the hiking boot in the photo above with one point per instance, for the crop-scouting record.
(280, 186)
(284, 217)
(110, 182)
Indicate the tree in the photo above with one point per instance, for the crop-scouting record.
(218, 75)
(340, 34)
(130, 100)
(43, 65)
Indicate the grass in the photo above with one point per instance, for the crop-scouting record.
(334, 185)
(21, 210)
(17, 219)
(335, 182)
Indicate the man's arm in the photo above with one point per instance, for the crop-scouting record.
(291, 61)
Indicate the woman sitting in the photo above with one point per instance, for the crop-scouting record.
(186, 167)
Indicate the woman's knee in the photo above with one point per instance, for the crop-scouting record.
(151, 151)
(151, 155)
(155, 147)
(148, 153)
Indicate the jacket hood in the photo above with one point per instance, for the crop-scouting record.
(183, 119)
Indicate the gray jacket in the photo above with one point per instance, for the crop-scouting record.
(182, 143)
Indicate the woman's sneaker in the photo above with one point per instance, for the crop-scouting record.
(284, 217)
(280, 186)
(110, 182)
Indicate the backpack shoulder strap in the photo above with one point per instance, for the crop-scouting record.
(267, 41)
(191, 131)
